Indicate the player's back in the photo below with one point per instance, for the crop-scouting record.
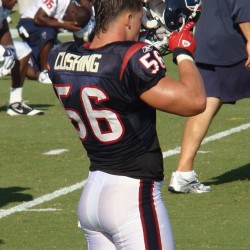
(100, 91)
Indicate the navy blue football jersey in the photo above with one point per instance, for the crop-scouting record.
(100, 90)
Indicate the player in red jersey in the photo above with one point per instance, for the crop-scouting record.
(110, 90)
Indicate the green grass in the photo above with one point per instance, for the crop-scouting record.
(218, 220)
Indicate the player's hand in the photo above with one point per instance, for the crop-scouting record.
(7, 59)
(71, 26)
(182, 42)
(247, 64)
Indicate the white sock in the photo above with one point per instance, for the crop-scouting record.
(15, 95)
(185, 175)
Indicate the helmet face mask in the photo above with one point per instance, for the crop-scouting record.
(179, 12)
(169, 16)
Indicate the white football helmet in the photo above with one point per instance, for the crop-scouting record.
(153, 27)
(162, 17)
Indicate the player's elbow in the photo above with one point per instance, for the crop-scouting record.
(41, 17)
(38, 20)
(198, 105)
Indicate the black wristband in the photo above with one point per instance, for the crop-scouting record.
(179, 51)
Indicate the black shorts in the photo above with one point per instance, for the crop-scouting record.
(228, 83)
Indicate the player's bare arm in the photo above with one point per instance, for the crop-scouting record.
(41, 18)
(245, 29)
(5, 36)
(191, 98)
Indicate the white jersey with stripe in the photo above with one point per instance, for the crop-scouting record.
(53, 8)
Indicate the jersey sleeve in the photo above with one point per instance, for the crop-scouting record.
(145, 68)
(49, 6)
(240, 10)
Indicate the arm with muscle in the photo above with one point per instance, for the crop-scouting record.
(185, 96)
(41, 18)
(5, 36)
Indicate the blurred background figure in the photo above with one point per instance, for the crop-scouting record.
(14, 58)
(40, 23)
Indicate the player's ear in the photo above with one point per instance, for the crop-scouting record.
(127, 19)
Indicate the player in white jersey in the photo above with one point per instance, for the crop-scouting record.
(51, 7)
(23, 5)
(14, 60)
(40, 23)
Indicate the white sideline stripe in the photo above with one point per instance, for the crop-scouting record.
(210, 138)
(66, 190)
(56, 151)
(226, 133)
(38, 209)
(42, 199)
(42, 210)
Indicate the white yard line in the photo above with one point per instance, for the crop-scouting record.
(42, 210)
(56, 151)
(26, 205)
(210, 138)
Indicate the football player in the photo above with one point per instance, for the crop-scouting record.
(40, 23)
(14, 60)
(110, 89)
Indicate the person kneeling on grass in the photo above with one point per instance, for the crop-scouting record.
(14, 58)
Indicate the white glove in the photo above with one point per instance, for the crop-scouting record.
(7, 59)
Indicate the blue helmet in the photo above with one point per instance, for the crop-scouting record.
(178, 12)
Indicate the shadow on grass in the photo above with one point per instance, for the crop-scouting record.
(241, 173)
(1, 242)
(33, 106)
(12, 194)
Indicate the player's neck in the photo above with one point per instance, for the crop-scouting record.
(115, 32)
(103, 39)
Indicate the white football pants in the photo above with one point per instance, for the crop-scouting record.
(122, 213)
(22, 49)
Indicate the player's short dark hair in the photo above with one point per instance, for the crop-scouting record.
(77, 13)
(82, 16)
(107, 10)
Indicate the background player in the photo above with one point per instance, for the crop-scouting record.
(110, 89)
(14, 59)
(40, 23)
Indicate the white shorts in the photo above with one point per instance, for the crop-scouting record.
(122, 213)
(22, 49)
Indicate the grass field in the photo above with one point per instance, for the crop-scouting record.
(39, 192)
